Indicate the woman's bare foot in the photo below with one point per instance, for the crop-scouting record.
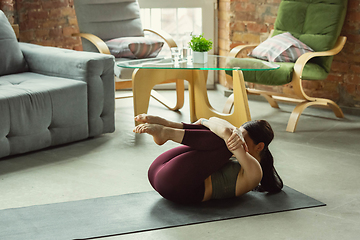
(156, 130)
(145, 118)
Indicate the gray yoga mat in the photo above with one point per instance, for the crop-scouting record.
(136, 212)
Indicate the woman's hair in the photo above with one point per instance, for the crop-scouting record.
(261, 131)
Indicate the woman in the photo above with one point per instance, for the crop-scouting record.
(202, 169)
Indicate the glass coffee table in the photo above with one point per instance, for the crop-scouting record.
(150, 72)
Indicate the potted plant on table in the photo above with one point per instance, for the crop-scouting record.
(200, 47)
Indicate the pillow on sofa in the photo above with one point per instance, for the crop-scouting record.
(134, 47)
(11, 57)
(280, 48)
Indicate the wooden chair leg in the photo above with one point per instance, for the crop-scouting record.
(267, 95)
(229, 104)
(295, 115)
(336, 109)
(270, 100)
(123, 84)
(126, 96)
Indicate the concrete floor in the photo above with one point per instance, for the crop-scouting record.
(321, 160)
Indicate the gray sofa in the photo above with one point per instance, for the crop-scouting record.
(51, 96)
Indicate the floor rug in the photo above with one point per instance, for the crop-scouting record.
(136, 212)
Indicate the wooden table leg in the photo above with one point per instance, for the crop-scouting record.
(203, 109)
(141, 91)
(241, 104)
(145, 79)
(199, 103)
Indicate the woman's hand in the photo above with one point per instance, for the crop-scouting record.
(236, 140)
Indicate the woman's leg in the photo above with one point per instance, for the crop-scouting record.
(145, 118)
(167, 175)
(179, 173)
(219, 126)
(161, 134)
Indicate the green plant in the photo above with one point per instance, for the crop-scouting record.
(200, 44)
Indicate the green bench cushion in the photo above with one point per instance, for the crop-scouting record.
(283, 75)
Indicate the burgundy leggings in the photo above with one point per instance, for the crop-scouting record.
(179, 173)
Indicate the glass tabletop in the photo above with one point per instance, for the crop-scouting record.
(214, 63)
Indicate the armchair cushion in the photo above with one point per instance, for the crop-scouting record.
(280, 48)
(283, 75)
(11, 58)
(134, 47)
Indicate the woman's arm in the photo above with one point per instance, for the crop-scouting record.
(251, 172)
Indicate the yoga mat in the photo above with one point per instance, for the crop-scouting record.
(136, 212)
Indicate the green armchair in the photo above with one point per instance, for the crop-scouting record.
(316, 23)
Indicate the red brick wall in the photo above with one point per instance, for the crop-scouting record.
(7, 6)
(249, 21)
(45, 22)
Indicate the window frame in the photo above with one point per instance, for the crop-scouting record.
(208, 14)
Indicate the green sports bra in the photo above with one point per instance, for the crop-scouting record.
(224, 180)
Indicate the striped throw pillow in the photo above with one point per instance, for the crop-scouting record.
(134, 47)
(280, 48)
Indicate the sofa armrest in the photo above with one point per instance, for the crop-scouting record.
(65, 63)
(96, 69)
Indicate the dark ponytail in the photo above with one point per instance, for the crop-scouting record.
(261, 131)
(271, 181)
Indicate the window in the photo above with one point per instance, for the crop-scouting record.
(180, 23)
(180, 19)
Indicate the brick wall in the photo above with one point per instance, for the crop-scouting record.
(7, 6)
(45, 22)
(249, 21)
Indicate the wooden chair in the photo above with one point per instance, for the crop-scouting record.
(16, 30)
(103, 20)
(316, 25)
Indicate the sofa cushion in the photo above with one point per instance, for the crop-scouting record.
(35, 114)
(11, 57)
